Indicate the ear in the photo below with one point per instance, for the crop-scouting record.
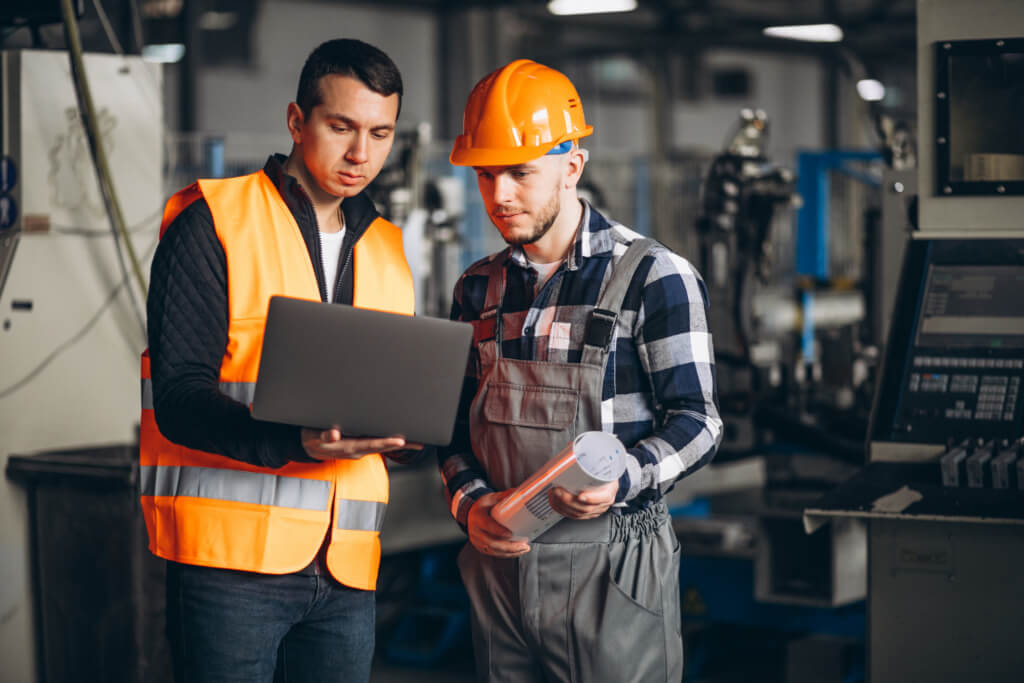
(577, 159)
(295, 122)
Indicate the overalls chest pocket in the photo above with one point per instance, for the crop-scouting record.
(543, 407)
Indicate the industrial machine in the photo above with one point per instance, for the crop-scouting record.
(792, 313)
(941, 491)
(742, 195)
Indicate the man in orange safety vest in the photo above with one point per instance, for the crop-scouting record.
(271, 531)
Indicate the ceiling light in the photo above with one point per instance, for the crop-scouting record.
(163, 53)
(563, 7)
(870, 90)
(217, 21)
(814, 33)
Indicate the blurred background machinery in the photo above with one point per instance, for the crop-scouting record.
(941, 491)
(857, 261)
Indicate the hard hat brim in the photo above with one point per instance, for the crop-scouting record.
(464, 156)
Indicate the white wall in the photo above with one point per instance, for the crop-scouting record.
(65, 381)
(253, 100)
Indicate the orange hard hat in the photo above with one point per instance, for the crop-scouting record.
(516, 114)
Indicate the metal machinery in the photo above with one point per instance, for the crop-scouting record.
(417, 192)
(741, 196)
(786, 338)
(943, 489)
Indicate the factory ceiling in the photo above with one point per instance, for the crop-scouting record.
(874, 29)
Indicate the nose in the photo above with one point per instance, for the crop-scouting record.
(504, 189)
(357, 150)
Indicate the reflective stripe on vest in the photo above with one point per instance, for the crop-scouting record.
(359, 515)
(235, 486)
(206, 509)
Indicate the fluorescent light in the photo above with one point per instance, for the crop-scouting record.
(217, 21)
(814, 33)
(163, 53)
(563, 7)
(870, 90)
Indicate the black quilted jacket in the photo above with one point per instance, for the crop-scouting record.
(187, 312)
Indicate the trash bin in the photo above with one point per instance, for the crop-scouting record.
(98, 592)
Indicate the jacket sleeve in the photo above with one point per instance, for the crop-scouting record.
(674, 345)
(187, 310)
(461, 473)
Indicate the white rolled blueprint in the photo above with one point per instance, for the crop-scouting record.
(591, 459)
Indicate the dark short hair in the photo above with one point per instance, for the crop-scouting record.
(347, 57)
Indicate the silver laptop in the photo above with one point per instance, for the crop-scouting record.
(368, 372)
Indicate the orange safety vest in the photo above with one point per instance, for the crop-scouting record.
(210, 510)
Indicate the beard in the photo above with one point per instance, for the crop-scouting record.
(545, 219)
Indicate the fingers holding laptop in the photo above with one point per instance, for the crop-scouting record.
(330, 444)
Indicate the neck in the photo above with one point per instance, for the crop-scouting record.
(555, 244)
(326, 206)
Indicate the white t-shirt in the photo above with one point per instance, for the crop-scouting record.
(544, 271)
(330, 255)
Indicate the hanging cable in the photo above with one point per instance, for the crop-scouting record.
(138, 36)
(107, 28)
(106, 185)
(74, 338)
(146, 223)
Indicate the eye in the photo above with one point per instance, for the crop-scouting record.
(519, 175)
(381, 134)
(483, 175)
(339, 129)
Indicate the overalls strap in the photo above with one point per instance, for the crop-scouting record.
(600, 330)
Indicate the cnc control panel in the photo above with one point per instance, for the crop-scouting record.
(961, 346)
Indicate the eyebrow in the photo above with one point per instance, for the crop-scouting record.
(352, 123)
(507, 169)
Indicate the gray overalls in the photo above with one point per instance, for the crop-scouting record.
(593, 601)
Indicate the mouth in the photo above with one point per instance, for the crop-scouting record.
(350, 178)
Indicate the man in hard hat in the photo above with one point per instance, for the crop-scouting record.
(271, 532)
(580, 324)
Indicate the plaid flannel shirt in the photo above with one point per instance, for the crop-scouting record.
(659, 396)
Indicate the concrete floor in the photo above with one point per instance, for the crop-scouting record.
(458, 668)
(384, 672)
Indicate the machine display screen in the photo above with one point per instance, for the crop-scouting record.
(956, 359)
(972, 306)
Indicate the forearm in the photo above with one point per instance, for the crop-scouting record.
(676, 354)
(686, 441)
(464, 482)
(191, 413)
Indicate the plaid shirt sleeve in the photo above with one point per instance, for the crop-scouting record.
(464, 479)
(675, 351)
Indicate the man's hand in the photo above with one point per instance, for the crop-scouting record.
(587, 504)
(489, 537)
(331, 445)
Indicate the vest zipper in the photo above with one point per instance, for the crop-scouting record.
(318, 256)
(341, 273)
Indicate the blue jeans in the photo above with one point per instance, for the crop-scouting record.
(226, 625)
